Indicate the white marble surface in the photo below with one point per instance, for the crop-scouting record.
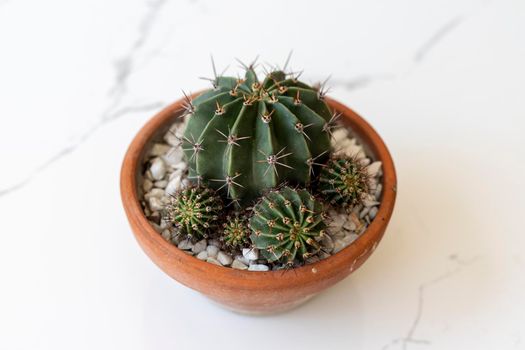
(442, 81)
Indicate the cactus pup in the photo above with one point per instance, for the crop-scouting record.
(235, 233)
(287, 225)
(344, 182)
(195, 211)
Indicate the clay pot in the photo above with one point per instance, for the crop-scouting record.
(250, 291)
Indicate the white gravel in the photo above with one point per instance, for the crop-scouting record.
(213, 261)
(250, 253)
(185, 244)
(213, 251)
(199, 246)
(202, 255)
(258, 267)
(239, 265)
(167, 173)
(158, 169)
(224, 258)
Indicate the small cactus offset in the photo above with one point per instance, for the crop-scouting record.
(235, 234)
(195, 211)
(344, 181)
(287, 225)
(245, 136)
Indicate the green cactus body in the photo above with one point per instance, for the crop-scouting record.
(344, 182)
(195, 211)
(235, 232)
(287, 224)
(244, 136)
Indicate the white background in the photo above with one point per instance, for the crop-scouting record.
(442, 81)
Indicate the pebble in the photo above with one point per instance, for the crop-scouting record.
(250, 253)
(155, 192)
(173, 157)
(338, 246)
(180, 166)
(214, 242)
(373, 212)
(365, 161)
(147, 185)
(156, 227)
(324, 255)
(344, 242)
(155, 204)
(175, 238)
(176, 174)
(339, 135)
(374, 168)
(199, 246)
(213, 261)
(164, 224)
(159, 149)
(242, 259)
(355, 151)
(239, 265)
(350, 238)
(185, 244)
(224, 258)
(155, 217)
(166, 234)
(258, 267)
(212, 251)
(379, 188)
(345, 144)
(337, 222)
(327, 243)
(172, 186)
(363, 212)
(312, 260)
(158, 169)
(370, 201)
(350, 225)
(173, 137)
(161, 184)
(202, 255)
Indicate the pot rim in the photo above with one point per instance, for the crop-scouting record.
(260, 280)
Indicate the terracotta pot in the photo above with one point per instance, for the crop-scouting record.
(250, 291)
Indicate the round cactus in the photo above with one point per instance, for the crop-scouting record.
(287, 225)
(235, 232)
(195, 211)
(245, 136)
(344, 181)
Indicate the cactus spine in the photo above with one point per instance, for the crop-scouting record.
(245, 136)
(287, 225)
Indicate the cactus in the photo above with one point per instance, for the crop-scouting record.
(287, 224)
(195, 211)
(244, 136)
(344, 181)
(235, 232)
